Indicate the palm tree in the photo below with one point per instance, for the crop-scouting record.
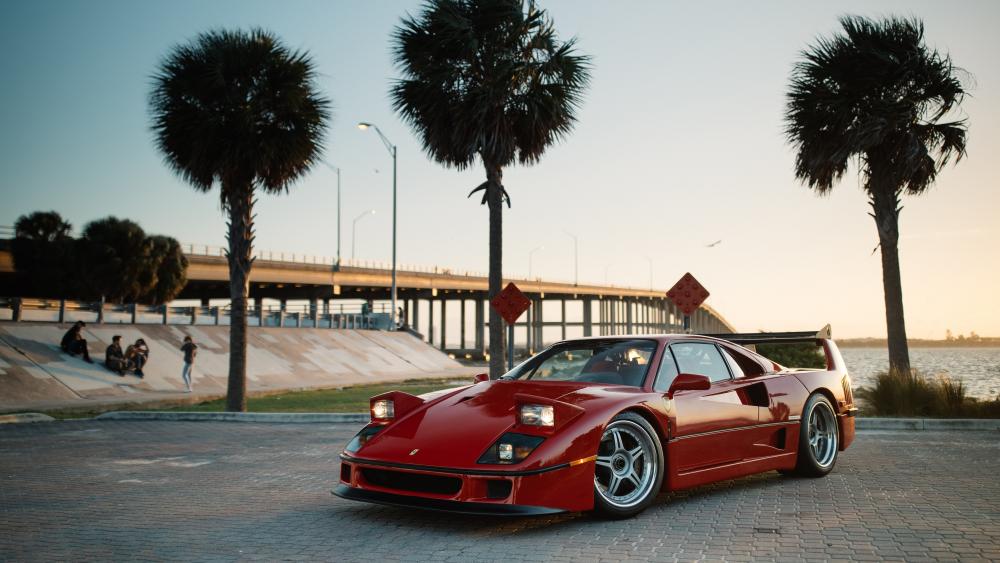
(240, 110)
(878, 96)
(487, 80)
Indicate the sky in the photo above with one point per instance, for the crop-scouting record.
(679, 144)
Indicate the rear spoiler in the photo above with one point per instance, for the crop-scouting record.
(823, 337)
(752, 338)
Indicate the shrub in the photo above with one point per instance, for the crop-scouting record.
(914, 394)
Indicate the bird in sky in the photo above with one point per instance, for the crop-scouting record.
(716, 243)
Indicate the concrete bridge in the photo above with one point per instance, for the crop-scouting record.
(429, 297)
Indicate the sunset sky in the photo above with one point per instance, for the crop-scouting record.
(679, 144)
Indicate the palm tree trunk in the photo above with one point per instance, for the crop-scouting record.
(885, 204)
(494, 200)
(240, 237)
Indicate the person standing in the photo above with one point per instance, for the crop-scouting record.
(190, 350)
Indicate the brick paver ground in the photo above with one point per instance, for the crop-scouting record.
(232, 491)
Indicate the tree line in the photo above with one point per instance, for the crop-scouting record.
(113, 259)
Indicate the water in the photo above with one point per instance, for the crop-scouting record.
(978, 368)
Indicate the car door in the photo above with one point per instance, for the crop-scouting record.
(712, 427)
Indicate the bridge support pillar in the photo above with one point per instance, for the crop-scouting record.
(587, 317)
(430, 321)
(444, 324)
(314, 311)
(480, 325)
(461, 308)
(62, 310)
(416, 315)
(538, 341)
(562, 318)
(629, 326)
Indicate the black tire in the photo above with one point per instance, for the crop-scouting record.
(819, 438)
(620, 470)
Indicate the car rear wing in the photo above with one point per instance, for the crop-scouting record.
(822, 338)
(752, 338)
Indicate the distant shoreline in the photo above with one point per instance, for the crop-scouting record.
(919, 343)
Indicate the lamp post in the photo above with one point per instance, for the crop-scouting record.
(576, 257)
(354, 232)
(337, 170)
(531, 255)
(392, 150)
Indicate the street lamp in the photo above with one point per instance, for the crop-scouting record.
(531, 255)
(337, 170)
(576, 257)
(392, 150)
(354, 231)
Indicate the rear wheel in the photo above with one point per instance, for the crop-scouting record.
(629, 467)
(819, 438)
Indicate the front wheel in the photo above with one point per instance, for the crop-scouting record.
(818, 438)
(629, 467)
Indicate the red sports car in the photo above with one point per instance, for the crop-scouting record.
(604, 423)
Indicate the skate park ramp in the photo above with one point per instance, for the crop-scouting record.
(35, 373)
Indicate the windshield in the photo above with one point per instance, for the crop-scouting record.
(622, 362)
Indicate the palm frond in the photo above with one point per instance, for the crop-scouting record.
(238, 109)
(486, 79)
(875, 93)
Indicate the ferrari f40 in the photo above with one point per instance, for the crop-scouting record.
(605, 424)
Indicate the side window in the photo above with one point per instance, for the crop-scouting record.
(733, 366)
(743, 366)
(701, 359)
(668, 371)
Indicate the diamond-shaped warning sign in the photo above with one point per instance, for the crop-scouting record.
(687, 294)
(510, 303)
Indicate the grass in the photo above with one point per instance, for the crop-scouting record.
(915, 394)
(346, 399)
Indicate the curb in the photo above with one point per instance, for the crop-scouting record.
(24, 417)
(268, 417)
(975, 424)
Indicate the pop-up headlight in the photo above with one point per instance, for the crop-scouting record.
(383, 409)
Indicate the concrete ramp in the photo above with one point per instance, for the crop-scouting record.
(35, 373)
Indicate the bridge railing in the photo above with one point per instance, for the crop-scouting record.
(65, 311)
(193, 249)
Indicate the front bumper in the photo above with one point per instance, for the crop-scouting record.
(480, 508)
(550, 490)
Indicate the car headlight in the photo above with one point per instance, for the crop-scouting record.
(511, 448)
(383, 409)
(538, 415)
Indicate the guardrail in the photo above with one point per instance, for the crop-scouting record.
(62, 310)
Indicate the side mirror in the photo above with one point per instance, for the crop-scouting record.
(481, 377)
(689, 382)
